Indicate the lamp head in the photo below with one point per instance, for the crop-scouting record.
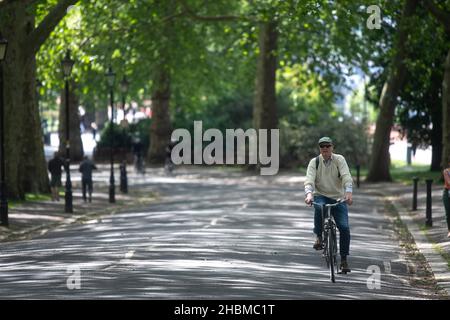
(67, 64)
(110, 76)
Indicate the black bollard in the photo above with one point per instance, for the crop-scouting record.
(414, 204)
(429, 221)
(358, 169)
(123, 178)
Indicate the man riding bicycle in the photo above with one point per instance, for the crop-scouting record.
(328, 178)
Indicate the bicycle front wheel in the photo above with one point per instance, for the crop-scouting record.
(325, 252)
(331, 243)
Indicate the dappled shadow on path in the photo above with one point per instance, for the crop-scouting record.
(211, 237)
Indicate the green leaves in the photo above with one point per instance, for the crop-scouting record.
(212, 60)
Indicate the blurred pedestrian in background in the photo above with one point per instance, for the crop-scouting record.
(55, 166)
(86, 168)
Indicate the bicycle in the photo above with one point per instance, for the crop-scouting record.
(329, 237)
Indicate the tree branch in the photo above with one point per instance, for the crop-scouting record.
(38, 36)
(173, 16)
(441, 15)
(28, 2)
(95, 34)
(195, 16)
(4, 3)
(231, 44)
(23, 2)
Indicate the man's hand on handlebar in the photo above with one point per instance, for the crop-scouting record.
(348, 198)
(309, 199)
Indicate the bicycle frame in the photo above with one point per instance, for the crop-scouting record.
(329, 236)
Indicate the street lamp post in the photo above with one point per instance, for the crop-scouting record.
(124, 84)
(67, 64)
(110, 77)
(3, 199)
(41, 114)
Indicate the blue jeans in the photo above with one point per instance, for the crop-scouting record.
(340, 214)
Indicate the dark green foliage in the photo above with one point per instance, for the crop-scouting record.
(115, 136)
(298, 141)
(212, 64)
(122, 137)
(229, 112)
(141, 130)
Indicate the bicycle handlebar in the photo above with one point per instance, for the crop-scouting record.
(338, 201)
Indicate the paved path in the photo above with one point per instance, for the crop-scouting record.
(215, 234)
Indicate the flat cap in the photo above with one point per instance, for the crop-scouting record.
(325, 139)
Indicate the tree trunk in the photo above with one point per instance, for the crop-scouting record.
(264, 105)
(380, 158)
(435, 104)
(436, 147)
(35, 179)
(26, 170)
(444, 18)
(161, 127)
(14, 108)
(446, 114)
(76, 144)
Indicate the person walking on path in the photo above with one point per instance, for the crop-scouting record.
(86, 168)
(138, 155)
(328, 178)
(446, 196)
(94, 130)
(168, 164)
(55, 166)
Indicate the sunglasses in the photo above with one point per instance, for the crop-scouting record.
(325, 146)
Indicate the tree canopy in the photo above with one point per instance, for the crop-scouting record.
(229, 62)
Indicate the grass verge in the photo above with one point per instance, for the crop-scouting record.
(29, 197)
(400, 172)
(419, 271)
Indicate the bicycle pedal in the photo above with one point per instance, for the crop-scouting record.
(318, 247)
(343, 272)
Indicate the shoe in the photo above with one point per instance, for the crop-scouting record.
(344, 268)
(318, 244)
